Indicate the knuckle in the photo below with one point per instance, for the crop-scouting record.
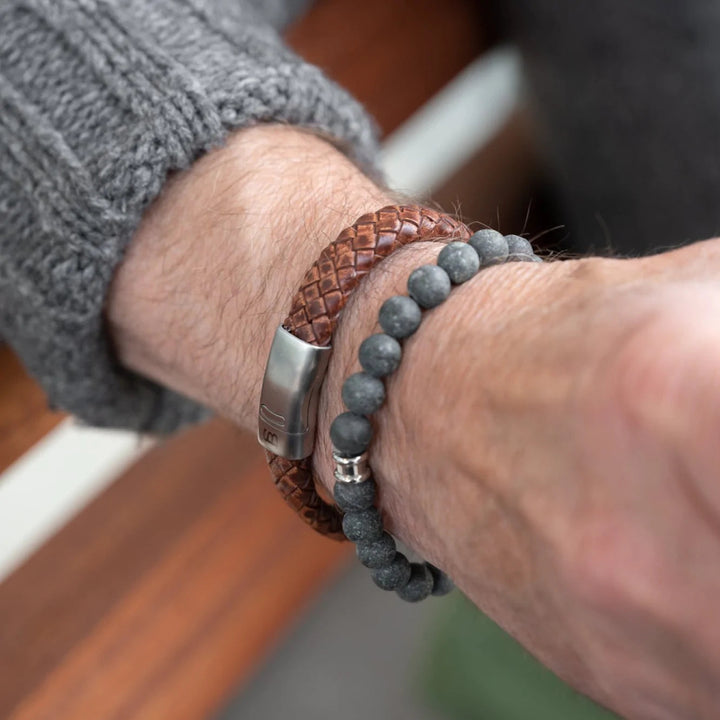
(646, 371)
(614, 569)
(664, 363)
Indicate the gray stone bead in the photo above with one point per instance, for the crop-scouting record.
(355, 495)
(377, 554)
(460, 261)
(362, 525)
(400, 316)
(490, 245)
(442, 584)
(419, 585)
(363, 394)
(350, 434)
(428, 285)
(519, 249)
(380, 355)
(394, 575)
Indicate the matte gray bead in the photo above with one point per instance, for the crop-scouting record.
(362, 525)
(363, 394)
(380, 355)
(400, 316)
(377, 554)
(355, 495)
(350, 434)
(490, 245)
(428, 285)
(519, 249)
(392, 576)
(460, 261)
(419, 585)
(442, 584)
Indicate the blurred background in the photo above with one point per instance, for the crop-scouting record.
(167, 579)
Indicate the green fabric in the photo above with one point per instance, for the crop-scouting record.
(473, 670)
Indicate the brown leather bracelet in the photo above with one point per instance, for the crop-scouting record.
(316, 308)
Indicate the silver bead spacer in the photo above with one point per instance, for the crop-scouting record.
(352, 469)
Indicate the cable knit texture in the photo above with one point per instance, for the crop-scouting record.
(99, 100)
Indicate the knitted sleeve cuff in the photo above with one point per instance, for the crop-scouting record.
(99, 101)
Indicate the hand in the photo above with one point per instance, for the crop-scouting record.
(551, 440)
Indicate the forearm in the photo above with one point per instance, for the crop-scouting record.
(212, 269)
(209, 277)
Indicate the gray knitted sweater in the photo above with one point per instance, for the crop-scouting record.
(99, 100)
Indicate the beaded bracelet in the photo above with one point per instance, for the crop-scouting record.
(363, 394)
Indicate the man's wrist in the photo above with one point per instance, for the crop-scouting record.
(217, 258)
(406, 425)
(359, 320)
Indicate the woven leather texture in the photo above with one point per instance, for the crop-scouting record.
(314, 314)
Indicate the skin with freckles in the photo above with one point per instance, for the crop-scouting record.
(550, 438)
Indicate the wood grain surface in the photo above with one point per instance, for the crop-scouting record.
(164, 593)
(24, 415)
(393, 54)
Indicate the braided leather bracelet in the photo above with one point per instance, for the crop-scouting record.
(364, 393)
(300, 350)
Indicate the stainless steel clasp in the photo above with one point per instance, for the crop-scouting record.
(288, 401)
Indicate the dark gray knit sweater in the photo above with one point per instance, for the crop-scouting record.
(100, 99)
